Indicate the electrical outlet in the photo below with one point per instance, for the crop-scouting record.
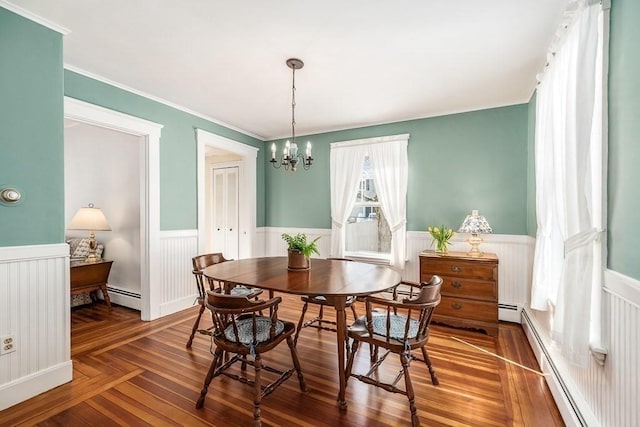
(8, 344)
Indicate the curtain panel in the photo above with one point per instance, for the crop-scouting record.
(569, 150)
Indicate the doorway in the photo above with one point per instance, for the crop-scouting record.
(225, 193)
(245, 158)
(148, 137)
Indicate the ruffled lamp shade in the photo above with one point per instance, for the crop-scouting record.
(475, 225)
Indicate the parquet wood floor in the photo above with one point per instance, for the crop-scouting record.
(133, 373)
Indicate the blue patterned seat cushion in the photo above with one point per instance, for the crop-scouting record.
(241, 291)
(245, 330)
(398, 323)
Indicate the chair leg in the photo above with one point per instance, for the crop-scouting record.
(353, 310)
(214, 364)
(304, 310)
(195, 326)
(432, 372)
(296, 363)
(257, 391)
(404, 359)
(350, 359)
(373, 351)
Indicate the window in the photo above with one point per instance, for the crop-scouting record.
(369, 198)
(367, 229)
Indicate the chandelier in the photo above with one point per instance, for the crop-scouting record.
(290, 155)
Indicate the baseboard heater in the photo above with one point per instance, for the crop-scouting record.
(528, 324)
(512, 307)
(123, 292)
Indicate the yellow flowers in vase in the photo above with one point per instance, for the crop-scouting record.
(441, 236)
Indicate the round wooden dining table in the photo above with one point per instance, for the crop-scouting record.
(334, 279)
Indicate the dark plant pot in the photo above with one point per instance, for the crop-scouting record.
(297, 261)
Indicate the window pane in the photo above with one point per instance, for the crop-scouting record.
(367, 230)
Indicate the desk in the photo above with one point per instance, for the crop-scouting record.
(88, 277)
(336, 280)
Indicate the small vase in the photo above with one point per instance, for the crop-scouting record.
(442, 247)
(297, 261)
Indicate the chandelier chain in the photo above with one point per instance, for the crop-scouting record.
(293, 107)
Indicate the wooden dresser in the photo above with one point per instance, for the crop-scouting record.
(469, 289)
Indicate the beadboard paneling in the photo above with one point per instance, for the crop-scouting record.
(177, 287)
(514, 252)
(34, 307)
(598, 395)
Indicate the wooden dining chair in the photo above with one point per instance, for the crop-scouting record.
(319, 322)
(201, 262)
(400, 326)
(241, 330)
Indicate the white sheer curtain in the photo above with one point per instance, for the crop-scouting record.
(345, 172)
(390, 170)
(567, 271)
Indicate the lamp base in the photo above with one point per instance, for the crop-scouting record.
(474, 240)
(93, 245)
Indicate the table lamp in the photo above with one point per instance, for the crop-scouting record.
(91, 219)
(475, 225)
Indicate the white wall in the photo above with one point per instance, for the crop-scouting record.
(102, 167)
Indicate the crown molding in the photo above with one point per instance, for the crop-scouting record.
(35, 18)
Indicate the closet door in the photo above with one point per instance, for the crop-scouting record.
(225, 211)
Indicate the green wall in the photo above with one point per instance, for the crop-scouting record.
(31, 131)
(532, 225)
(459, 162)
(178, 198)
(624, 132)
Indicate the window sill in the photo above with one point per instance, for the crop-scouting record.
(370, 257)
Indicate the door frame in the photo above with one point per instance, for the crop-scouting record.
(247, 180)
(149, 137)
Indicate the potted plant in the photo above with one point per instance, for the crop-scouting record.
(300, 250)
(441, 236)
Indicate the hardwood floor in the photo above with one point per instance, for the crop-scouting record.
(134, 373)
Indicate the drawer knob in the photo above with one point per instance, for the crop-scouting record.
(455, 269)
(456, 306)
(456, 285)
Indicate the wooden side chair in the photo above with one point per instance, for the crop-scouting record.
(240, 329)
(400, 326)
(321, 301)
(201, 262)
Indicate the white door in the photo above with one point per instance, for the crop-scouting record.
(224, 236)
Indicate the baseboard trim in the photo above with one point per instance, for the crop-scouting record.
(32, 385)
(177, 305)
(560, 390)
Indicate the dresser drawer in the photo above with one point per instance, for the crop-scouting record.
(449, 267)
(469, 288)
(467, 309)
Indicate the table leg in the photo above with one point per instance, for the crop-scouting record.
(341, 327)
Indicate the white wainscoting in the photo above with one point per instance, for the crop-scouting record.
(34, 308)
(597, 395)
(515, 255)
(177, 287)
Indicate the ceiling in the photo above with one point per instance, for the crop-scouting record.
(366, 61)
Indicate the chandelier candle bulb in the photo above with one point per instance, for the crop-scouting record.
(308, 149)
(273, 151)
